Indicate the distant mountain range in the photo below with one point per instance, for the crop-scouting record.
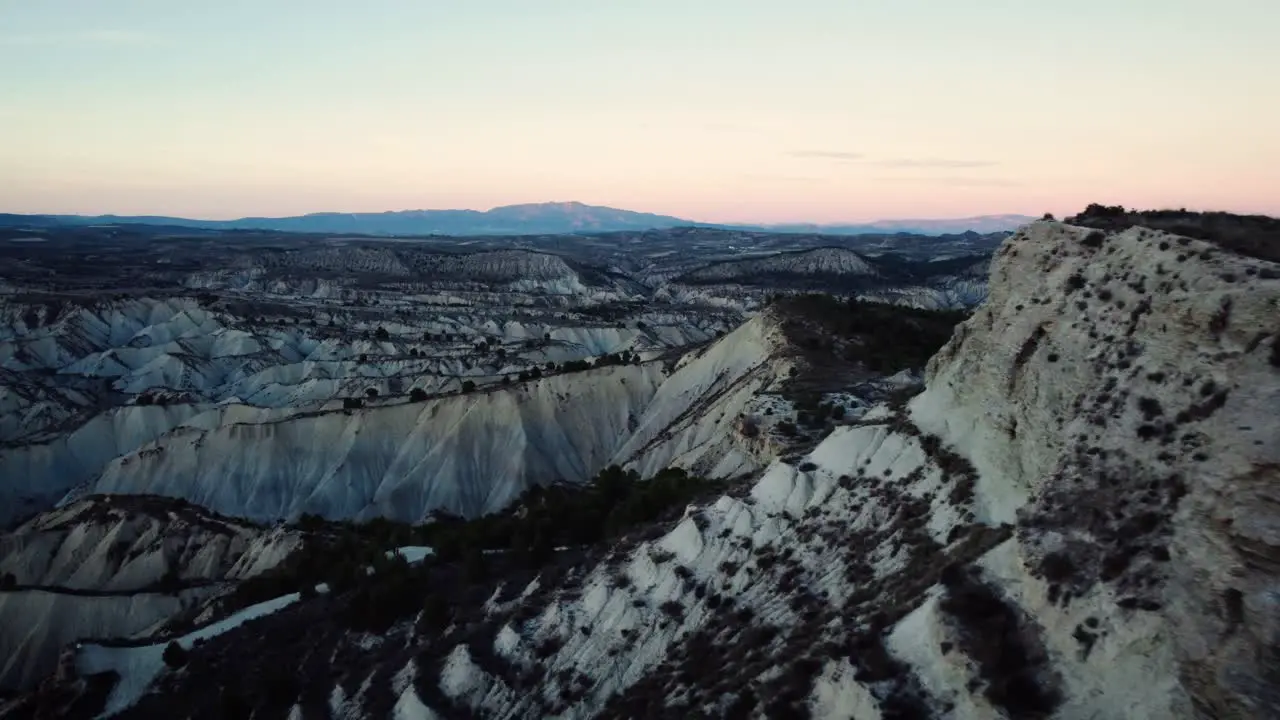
(528, 219)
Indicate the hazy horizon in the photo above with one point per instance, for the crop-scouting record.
(545, 203)
(724, 112)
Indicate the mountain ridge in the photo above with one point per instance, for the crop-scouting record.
(521, 219)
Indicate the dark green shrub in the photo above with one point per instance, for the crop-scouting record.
(175, 656)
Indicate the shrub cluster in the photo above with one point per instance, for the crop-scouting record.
(882, 337)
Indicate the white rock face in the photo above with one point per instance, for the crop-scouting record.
(94, 569)
(693, 420)
(748, 284)
(819, 261)
(945, 294)
(73, 379)
(38, 624)
(469, 453)
(327, 272)
(34, 476)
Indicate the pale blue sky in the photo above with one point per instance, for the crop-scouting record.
(722, 110)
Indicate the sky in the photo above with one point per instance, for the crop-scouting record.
(712, 110)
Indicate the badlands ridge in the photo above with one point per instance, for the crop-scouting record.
(1075, 518)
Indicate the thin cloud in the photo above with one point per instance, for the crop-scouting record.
(784, 178)
(826, 154)
(933, 163)
(862, 159)
(954, 181)
(99, 38)
(730, 127)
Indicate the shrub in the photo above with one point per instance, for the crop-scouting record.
(882, 337)
(672, 609)
(1150, 408)
(371, 392)
(8, 581)
(352, 403)
(991, 632)
(417, 395)
(476, 566)
(743, 706)
(1221, 318)
(548, 647)
(435, 613)
(175, 656)
(660, 557)
(1057, 567)
(468, 386)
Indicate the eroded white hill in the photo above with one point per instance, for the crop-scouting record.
(112, 567)
(819, 261)
(83, 384)
(467, 453)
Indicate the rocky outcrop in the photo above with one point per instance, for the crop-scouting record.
(1137, 451)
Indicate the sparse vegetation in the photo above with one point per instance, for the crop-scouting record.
(883, 338)
(1013, 666)
(1252, 235)
(543, 519)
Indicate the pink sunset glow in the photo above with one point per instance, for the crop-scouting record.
(821, 112)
